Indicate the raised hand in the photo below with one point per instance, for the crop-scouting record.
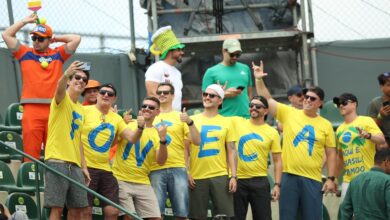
(184, 116)
(73, 68)
(162, 131)
(258, 71)
(30, 19)
(127, 117)
(140, 119)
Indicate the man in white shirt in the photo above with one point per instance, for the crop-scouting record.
(164, 71)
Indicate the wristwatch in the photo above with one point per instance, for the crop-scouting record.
(277, 184)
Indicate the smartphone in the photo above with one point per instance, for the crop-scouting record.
(243, 87)
(386, 103)
(86, 66)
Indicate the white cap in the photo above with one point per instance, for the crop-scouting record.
(218, 89)
(232, 45)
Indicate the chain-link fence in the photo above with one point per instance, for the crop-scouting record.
(105, 25)
(351, 19)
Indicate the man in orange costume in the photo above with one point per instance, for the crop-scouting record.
(41, 69)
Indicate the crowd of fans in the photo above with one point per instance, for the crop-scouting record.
(220, 154)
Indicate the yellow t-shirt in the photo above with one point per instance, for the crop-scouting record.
(358, 153)
(209, 159)
(64, 131)
(304, 141)
(254, 142)
(132, 161)
(177, 132)
(98, 134)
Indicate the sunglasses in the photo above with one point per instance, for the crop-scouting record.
(299, 95)
(205, 94)
(39, 38)
(109, 93)
(343, 102)
(311, 98)
(78, 77)
(150, 107)
(257, 106)
(163, 92)
(237, 55)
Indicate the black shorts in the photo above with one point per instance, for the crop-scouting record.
(104, 183)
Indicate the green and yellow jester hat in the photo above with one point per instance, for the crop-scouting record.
(164, 40)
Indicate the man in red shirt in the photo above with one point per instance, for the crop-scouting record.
(41, 68)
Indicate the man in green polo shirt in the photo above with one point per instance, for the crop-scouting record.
(237, 78)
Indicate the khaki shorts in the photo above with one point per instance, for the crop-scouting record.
(139, 198)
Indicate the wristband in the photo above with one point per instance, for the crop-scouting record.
(379, 116)
(332, 178)
(369, 136)
(140, 128)
(277, 184)
(191, 123)
(163, 142)
(233, 177)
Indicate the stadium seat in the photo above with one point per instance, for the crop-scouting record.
(22, 202)
(26, 178)
(13, 140)
(7, 180)
(331, 112)
(13, 118)
(97, 209)
(194, 111)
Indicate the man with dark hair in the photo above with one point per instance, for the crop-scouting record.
(171, 53)
(368, 195)
(41, 69)
(357, 137)
(306, 137)
(170, 180)
(379, 107)
(213, 163)
(101, 126)
(236, 77)
(256, 139)
(132, 163)
(64, 151)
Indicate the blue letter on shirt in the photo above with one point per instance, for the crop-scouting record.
(311, 138)
(241, 143)
(93, 134)
(74, 126)
(140, 157)
(204, 140)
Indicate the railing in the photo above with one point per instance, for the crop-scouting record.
(37, 162)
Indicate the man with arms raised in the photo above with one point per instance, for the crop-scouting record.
(64, 151)
(306, 137)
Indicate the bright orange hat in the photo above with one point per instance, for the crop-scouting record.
(92, 84)
(42, 30)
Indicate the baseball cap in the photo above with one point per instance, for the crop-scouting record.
(42, 30)
(232, 45)
(294, 90)
(109, 85)
(218, 89)
(317, 90)
(345, 97)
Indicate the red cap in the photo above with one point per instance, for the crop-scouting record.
(42, 30)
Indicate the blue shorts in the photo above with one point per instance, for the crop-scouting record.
(300, 193)
(175, 182)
